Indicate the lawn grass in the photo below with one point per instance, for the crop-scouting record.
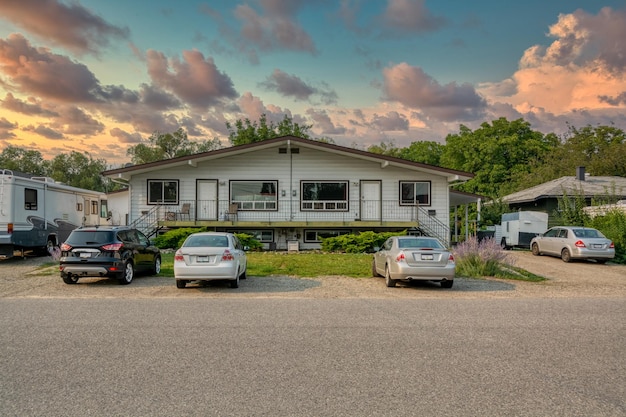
(314, 264)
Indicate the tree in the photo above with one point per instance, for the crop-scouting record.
(496, 154)
(79, 170)
(24, 160)
(160, 146)
(246, 131)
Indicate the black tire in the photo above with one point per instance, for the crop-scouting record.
(156, 267)
(388, 280)
(503, 244)
(128, 274)
(447, 283)
(70, 279)
(535, 249)
(181, 283)
(243, 275)
(566, 256)
(601, 261)
(235, 282)
(375, 274)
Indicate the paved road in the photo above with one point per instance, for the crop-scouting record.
(312, 357)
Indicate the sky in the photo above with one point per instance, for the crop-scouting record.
(100, 76)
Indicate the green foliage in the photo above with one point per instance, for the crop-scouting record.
(571, 210)
(174, 238)
(357, 243)
(492, 214)
(613, 226)
(246, 131)
(160, 146)
(495, 153)
(24, 160)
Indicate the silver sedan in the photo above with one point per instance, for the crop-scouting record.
(573, 242)
(210, 256)
(414, 258)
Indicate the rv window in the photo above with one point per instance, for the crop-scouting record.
(104, 209)
(30, 199)
(94, 207)
(79, 206)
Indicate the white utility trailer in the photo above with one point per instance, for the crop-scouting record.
(518, 228)
(37, 213)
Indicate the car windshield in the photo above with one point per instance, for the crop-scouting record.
(419, 243)
(207, 241)
(587, 233)
(90, 237)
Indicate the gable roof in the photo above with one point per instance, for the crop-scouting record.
(590, 187)
(287, 141)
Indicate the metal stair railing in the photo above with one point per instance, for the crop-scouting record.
(148, 223)
(432, 226)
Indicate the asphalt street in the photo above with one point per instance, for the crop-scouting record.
(312, 357)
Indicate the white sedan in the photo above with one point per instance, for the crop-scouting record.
(208, 256)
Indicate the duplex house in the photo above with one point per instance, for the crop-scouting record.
(290, 191)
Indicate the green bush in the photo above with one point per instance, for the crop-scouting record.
(357, 243)
(613, 226)
(174, 238)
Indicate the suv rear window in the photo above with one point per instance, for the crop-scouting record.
(90, 237)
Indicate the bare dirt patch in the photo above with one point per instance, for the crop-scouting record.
(23, 278)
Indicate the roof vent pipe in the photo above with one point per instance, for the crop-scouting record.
(580, 173)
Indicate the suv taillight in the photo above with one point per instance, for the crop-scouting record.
(113, 247)
(10, 228)
(227, 256)
(65, 247)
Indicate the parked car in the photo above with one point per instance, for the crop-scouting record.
(414, 258)
(107, 251)
(572, 242)
(208, 256)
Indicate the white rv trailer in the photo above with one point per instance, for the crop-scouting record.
(37, 212)
(518, 228)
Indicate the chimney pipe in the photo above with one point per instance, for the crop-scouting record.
(580, 173)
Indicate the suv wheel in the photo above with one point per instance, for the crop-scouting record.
(129, 273)
(70, 279)
(156, 268)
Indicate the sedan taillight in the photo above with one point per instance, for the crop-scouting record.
(612, 245)
(580, 244)
(400, 257)
(227, 256)
(450, 259)
(178, 256)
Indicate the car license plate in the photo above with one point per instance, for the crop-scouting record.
(203, 259)
(85, 255)
(427, 257)
(597, 246)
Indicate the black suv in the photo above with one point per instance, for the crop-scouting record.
(107, 251)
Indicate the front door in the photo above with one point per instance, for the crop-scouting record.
(370, 200)
(206, 204)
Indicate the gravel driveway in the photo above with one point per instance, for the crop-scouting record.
(20, 278)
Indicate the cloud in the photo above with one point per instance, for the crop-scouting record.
(44, 131)
(275, 27)
(324, 124)
(125, 137)
(292, 86)
(33, 108)
(583, 68)
(41, 73)
(410, 16)
(69, 25)
(412, 87)
(195, 80)
(75, 121)
(390, 122)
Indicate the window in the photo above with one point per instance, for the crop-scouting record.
(30, 199)
(94, 207)
(254, 195)
(414, 192)
(162, 192)
(324, 195)
(260, 235)
(313, 236)
(79, 206)
(104, 209)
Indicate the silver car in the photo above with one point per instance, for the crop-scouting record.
(210, 256)
(573, 242)
(414, 258)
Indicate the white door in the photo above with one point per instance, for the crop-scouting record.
(206, 204)
(370, 200)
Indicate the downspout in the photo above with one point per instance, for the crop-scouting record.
(291, 190)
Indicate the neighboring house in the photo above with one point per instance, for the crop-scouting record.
(291, 191)
(546, 197)
(118, 206)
